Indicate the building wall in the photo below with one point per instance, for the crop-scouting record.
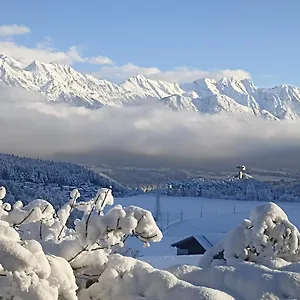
(190, 247)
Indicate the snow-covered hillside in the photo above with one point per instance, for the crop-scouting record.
(26, 178)
(61, 83)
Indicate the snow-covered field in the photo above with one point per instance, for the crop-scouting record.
(218, 217)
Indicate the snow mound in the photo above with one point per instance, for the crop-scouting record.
(244, 280)
(127, 278)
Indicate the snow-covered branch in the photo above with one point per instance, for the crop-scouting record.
(41, 258)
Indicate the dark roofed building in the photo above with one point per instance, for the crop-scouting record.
(196, 244)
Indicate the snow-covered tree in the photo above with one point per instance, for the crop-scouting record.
(246, 189)
(267, 237)
(41, 258)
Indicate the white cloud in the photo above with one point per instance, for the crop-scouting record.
(45, 44)
(119, 73)
(100, 60)
(33, 127)
(42, 53)
(185, 74)
(11, 30)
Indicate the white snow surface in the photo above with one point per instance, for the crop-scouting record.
(42, 259)
(164, 262)
(217, 219)
(61, 83)
(127, 278)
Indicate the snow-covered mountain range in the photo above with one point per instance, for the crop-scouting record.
(61, 83)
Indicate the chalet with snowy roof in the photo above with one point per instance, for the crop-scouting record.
(197, 244)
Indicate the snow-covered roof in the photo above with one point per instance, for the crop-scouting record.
(211, 238)
(203, 241)
(214, 238)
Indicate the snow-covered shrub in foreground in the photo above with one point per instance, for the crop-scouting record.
(257, 260)
(42, 259)
(267, 238)
(127, 279)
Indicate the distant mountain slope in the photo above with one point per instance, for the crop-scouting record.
(28, 178)
(178, 102)
(61, 83)
(139, 85)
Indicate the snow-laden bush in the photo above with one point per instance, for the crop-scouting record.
(127, 278)
(41, 258)
(260, 259)
(267, 238)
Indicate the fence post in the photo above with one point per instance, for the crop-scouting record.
(201, 212)
(181, 215)
(167, 220)
(234, 209)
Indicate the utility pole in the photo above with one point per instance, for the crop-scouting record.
(167, 220)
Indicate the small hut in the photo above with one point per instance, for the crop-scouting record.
(196, 244)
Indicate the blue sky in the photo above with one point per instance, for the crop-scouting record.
(172, 40)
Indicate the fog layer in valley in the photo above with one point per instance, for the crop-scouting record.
(142, 136)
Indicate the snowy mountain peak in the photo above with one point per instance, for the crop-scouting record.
(38, 66)
(232, 85)
(10, 61)
(35, 65)
(138, 78)
(204, 87)
(237, 96)
(151, 88)
(204, 82)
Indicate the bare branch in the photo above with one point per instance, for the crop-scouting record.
(20, 223)
(72, 205)
(41, 223)
(87, 221)
(101, 207)
(82, 250)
